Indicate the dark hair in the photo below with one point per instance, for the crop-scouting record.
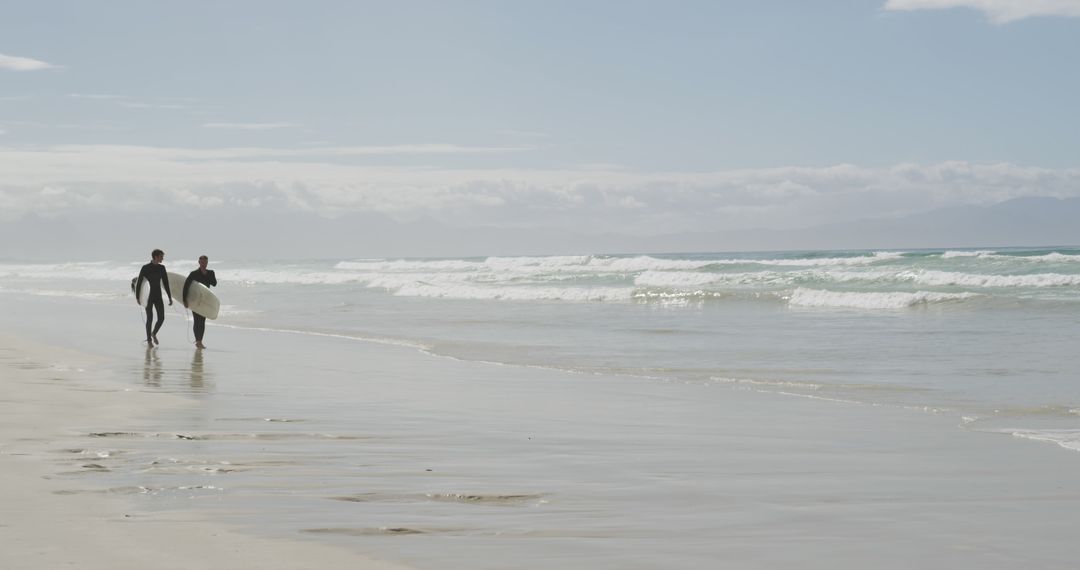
(156, 253)
(204, 257)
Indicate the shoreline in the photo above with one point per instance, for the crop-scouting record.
(488, 466)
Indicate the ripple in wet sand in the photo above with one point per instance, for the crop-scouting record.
(485, 499)
(465, 498)
(139, 490)
(272, 420)
(231, 436)
(371, 531)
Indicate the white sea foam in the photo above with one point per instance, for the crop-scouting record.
(942, 278)
(592, 263)
(678, 279)
(855, 276)
(980, 253)
(876, 257)
(769, 383)
(397, 281)
(479, 281)
(1052, 257)
(251, 276)
(647, 263)
(406, 266)
(82, 271)
(574, 263)
(689, 279)
(509, 269)
(648, 271)
(1067, 438)
(85, 295)
(681, 279)
(465, 291)
(802, 297)
(606, 277)
(677, 297)
(945, 278)
(550, 262)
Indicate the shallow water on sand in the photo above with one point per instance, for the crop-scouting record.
(836, 409)
(985, 335)
(442, 463)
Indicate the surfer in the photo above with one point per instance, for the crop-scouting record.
(206, 277)
(156, 278)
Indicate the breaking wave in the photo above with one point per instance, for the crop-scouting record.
(871, 300)
(872, 280)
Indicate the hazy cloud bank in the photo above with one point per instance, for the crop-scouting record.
(998, 11)
(74, 181)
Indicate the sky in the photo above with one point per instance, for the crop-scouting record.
(499, 120)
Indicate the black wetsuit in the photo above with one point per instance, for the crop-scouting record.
(156, 277)
(210, 280)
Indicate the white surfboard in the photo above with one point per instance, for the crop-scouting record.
(200, 298)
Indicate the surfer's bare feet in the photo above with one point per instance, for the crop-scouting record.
(155, 340)
(199, 344)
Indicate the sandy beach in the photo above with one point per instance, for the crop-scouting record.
(49, 521)
(274, 449)
(540, 285)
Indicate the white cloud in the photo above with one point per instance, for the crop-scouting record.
(127, 178)
(15, 63)
(998, 11)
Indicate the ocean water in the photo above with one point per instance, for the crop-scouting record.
(622, 463)
(985, 335)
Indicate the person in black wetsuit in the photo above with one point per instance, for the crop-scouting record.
(156, 278)
(206, 277)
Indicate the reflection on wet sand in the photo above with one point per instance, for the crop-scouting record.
(198, 374)
(161, 371)
(152, 368)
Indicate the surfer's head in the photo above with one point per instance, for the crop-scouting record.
(203, 260)
(157, 255)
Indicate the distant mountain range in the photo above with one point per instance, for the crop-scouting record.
(1019, 222)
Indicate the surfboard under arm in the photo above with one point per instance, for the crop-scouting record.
(201, 299)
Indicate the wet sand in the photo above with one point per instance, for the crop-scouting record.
(49, 520)
(326, 452)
